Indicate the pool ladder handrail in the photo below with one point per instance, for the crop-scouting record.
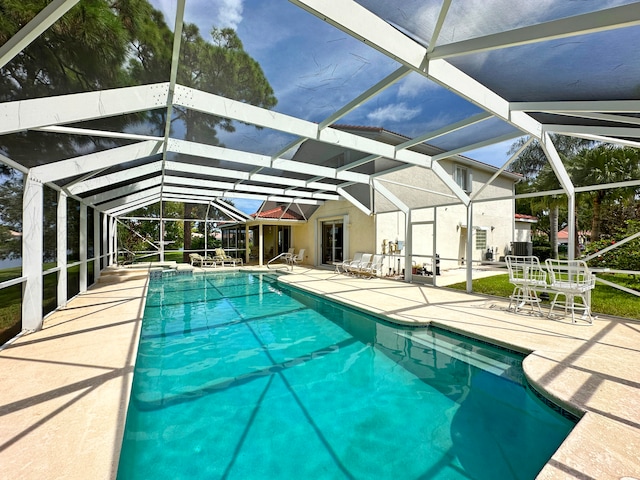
(286, 256)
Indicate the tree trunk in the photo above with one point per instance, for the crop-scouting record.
(553, 230)
(187, 233)
(595, 220)
(187, 241)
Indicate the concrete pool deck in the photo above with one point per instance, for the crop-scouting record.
(65, 388)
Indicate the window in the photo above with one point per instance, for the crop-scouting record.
(462, 178)
(481, 239)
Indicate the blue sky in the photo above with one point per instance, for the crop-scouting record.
(315, 69)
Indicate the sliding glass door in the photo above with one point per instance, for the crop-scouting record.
(332, 241)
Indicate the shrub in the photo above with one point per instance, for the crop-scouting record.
(625, 257)
(542, 252)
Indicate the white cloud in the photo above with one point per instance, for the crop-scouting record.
(222, 14)
(414, 85)
(229, 13)
(393, 113)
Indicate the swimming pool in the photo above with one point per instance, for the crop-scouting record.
(240, 377)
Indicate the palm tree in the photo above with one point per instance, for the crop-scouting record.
(533, 163)
(601, 165)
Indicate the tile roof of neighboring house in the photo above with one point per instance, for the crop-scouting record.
(564, 233)
(278, 213)
(526, 218)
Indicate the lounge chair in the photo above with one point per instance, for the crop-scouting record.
(222, 257)
(198, 260)
(299, 258)
(354, 268)
(355, 261)
(574, 280)
(373, 268)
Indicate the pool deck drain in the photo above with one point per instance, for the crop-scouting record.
(65, 388)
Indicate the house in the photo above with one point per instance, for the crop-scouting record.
(430, 219)
(523, 227)
(563, 238)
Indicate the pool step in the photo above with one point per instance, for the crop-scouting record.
(503, 366)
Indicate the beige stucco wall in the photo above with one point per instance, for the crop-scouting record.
(450, 225)
(496, 218)
(366, 233)
(360, 230)
(523, 232)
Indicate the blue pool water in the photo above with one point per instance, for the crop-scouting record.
(240, 377)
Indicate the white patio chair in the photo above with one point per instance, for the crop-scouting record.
(288, 258)
(198, 260)
(355, 261)
(374, 267)
(354, 268)
(527, 276)
(222, 258)
(299, 258)
(573, 280)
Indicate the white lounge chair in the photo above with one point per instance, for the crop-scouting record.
(574, 280)
(355, 261)
(355, 268)
(222, 257)
(527, 276)
(198, 260)
(373, 268)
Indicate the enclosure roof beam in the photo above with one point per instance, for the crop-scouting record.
(77, 107)
(611, 106)
(129, 188)
(116, 204)
(598, 21)
(230, 210)
(350, 198)
(114, 178)
(130, 207)
(590, 130)
(55, 171)
(243, 112)
(32, 30)
(364, 25)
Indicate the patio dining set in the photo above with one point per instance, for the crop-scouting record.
(569, 282)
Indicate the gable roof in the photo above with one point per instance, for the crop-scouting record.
(279, 212)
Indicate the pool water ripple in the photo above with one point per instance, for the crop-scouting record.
(238, 377)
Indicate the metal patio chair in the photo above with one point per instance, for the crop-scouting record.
(527, 276)
(573, 280)
(288, 257)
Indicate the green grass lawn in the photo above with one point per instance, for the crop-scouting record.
(604, 299)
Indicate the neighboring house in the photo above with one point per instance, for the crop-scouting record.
(523, 227)
(522, 239)
(563, 238)
(377, 220)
